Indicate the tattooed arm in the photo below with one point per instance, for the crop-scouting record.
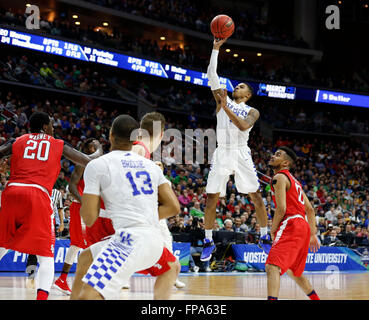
(242, 124)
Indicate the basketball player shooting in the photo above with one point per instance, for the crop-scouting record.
(235, 120)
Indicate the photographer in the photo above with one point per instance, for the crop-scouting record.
(197, 236)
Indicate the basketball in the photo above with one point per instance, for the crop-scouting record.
(222, 26)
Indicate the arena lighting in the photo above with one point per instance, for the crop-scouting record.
(28, 5)
(259, 54)
(105, 24)
(75, 16)
(228, 50)
(77, 23)
(242, 59)
(235, 55)
(167, 71)
(162, 38)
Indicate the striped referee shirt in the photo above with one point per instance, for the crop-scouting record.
(57, 200)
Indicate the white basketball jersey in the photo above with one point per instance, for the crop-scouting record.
(128, 184)
(228, 135)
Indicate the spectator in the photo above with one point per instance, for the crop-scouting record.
(228, 225)
(332, 240)
(237, 225)
(197, 237)
(348, 236)
(185, 200)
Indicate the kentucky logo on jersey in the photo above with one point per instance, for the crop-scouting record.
(126, 238)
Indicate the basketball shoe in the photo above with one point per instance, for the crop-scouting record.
(62, 285)
(208, 249)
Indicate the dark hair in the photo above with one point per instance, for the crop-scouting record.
(147, 121)
(122, 128)
(86, 143)
(37, 120)
(251, 89)
(290, 153)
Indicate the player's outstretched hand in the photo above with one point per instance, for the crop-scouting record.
(98, 147)
(314, 243)
(217, 43)
(222, 95)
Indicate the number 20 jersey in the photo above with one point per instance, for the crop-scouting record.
(36, 160)
(128, 184)
(294, 196)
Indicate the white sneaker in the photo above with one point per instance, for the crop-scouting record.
(30, 283)
(208, 269)
(179, 284)
(196, 269)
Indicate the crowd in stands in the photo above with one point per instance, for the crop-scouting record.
(28, 69)
(195, 15)
(291, 72)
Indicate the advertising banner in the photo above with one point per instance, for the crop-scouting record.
(16, 261)
(345, 259)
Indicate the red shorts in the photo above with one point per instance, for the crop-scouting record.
(102, 228)
(77, 231)
(26, 221)
(290, 246)
(82, 236)
(162, 265)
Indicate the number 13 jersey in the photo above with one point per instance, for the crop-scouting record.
(36, 160)
(128, 184)
(294, 196)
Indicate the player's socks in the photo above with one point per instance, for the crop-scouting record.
(265, 243)
(263, 231)
(313, 296)
(272, 298)
(42, 294)
(209, 234)
(3, 252)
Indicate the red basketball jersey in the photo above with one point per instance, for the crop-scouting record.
(294, 196)
(36, 160)
(147, 152)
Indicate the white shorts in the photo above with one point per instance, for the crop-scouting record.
(165, 233)
(119, 257)
(226, 162)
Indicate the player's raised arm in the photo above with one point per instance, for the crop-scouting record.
(280, 184)
(242, 124)
(212, 71)
(310, 214)
(80, 158)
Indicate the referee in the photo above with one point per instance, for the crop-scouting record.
(57, 202)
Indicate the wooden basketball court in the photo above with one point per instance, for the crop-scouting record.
(215, 286)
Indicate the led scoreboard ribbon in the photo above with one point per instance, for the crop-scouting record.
(276, 91)
(342, 98)
(118, 60)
